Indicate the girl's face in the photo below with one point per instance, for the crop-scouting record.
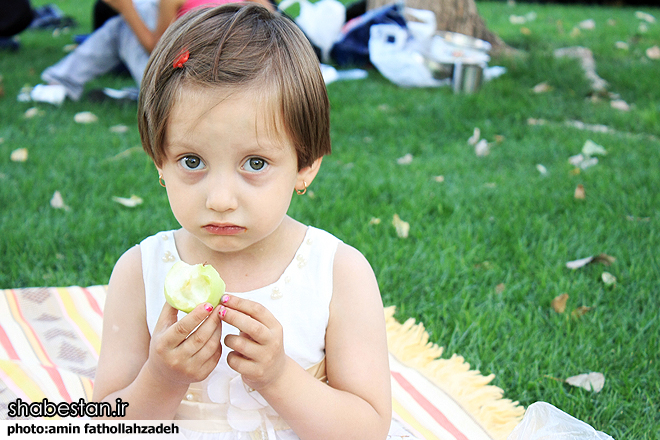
(229, 179)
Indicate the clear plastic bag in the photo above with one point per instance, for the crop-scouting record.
(543, 421)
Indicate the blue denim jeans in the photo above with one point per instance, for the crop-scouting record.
(103, 50)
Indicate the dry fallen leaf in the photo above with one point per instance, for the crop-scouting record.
(580, 194)
(402, 228)
(19, 155)
(482, 148)
(405, 160)
(580, 311)
(582, 161)
(533, 121)
(500, 288)
(575, 32)
(85, 118)
(525, 31)
(608, 279)
(32, 112)
(589, 24)
(576, 160)
(607, 260)
(559, 303)
(576, 264)
(620, 104)
(621, 45)
(632, 218)
(119, 129)
(590, 382)
(542, 87)
(644, 16)
(475, 136)
(653, 53)
(131, 202)
(591, 148)
(57, 201)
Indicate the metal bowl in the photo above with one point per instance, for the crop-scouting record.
(465, 41)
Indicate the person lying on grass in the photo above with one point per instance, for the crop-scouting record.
(234, 113)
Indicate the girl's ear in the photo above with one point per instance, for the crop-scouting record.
(307, 175)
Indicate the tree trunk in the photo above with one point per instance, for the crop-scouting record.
(454, 16)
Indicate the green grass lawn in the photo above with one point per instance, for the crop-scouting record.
(488, 246)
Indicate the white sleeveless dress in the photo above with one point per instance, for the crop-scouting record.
(222, 407)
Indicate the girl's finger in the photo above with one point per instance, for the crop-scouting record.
(241, 364)
(203, 335)
(250, 308)
(247, 324)
(212, 345)
(181, 330)
(247, 347)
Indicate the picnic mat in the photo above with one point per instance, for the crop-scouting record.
(50, 340)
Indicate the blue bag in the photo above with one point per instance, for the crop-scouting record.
(353, 48)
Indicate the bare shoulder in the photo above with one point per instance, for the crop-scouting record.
(126, 279)
(353, 276)
(125, 333)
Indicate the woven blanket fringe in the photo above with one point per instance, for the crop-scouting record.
(409, 343)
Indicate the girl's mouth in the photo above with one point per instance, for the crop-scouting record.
(224, 229)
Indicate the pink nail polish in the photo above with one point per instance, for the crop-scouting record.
(208, 307)
(222, 312)
(225, 298)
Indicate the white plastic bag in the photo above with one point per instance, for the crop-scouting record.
(543, 421)
(321, 22)
(395, 54)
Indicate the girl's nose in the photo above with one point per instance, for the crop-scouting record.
(222, 193)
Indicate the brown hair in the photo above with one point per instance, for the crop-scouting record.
(234, 46)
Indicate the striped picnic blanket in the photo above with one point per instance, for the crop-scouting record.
(50, 339)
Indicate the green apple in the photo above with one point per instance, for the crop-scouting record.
(187, 285)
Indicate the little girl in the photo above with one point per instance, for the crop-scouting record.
(234, 113)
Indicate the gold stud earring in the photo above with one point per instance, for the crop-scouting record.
(161, 181)
(300, 192)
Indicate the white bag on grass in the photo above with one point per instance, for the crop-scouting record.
(396, 55)
(321, 22)
(543, 421)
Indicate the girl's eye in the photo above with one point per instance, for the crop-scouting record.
(191, 163)
(255, 164)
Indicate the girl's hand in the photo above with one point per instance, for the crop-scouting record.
(259, 347)
(177, 354)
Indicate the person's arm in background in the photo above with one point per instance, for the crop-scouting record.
(167, 10)
(167, 13)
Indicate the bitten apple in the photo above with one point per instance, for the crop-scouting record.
(187, 285)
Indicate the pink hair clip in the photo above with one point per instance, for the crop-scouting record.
(181, 59)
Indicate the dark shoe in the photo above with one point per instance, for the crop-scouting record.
(49, 17)
(127, 95)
